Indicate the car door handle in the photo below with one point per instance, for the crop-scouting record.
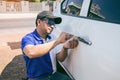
(84, 40)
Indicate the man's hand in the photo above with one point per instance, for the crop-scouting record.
(64, 37)
(71, 43)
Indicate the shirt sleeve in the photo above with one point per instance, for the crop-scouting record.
(58, 48)
(27, 40)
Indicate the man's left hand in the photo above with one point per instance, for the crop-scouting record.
(71, 43)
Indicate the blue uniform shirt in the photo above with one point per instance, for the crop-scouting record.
(41, 66)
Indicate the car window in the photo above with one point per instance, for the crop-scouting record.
(107, 10)
(103, 10)
(72, 7)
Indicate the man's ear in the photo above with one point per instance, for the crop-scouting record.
(38, 22)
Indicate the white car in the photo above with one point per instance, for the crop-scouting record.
(97, 24)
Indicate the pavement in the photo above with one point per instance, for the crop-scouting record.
(12, 28)
(17, 15)
(10, 45)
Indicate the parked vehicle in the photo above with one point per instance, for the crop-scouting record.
(96, 22)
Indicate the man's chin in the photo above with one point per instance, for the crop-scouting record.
(49, 33)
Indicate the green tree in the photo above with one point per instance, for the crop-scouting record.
(37, 0)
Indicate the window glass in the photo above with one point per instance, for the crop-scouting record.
(72, 7)
(107, 10)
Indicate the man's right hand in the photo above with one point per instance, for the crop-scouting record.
(64, 37)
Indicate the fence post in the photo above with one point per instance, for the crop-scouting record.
(25, 6)
(2, 6)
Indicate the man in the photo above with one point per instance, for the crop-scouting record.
(41, 48)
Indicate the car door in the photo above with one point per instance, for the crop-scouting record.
(97, 22)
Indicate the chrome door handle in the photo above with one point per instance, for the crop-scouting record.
(85, 40)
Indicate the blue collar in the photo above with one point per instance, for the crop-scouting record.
(38, 37)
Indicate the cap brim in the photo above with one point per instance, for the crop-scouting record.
(57, 20)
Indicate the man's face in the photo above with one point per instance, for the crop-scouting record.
(49, 25)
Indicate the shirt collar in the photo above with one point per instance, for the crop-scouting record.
(38, 37)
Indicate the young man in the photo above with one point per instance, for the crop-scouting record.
(41, 48)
